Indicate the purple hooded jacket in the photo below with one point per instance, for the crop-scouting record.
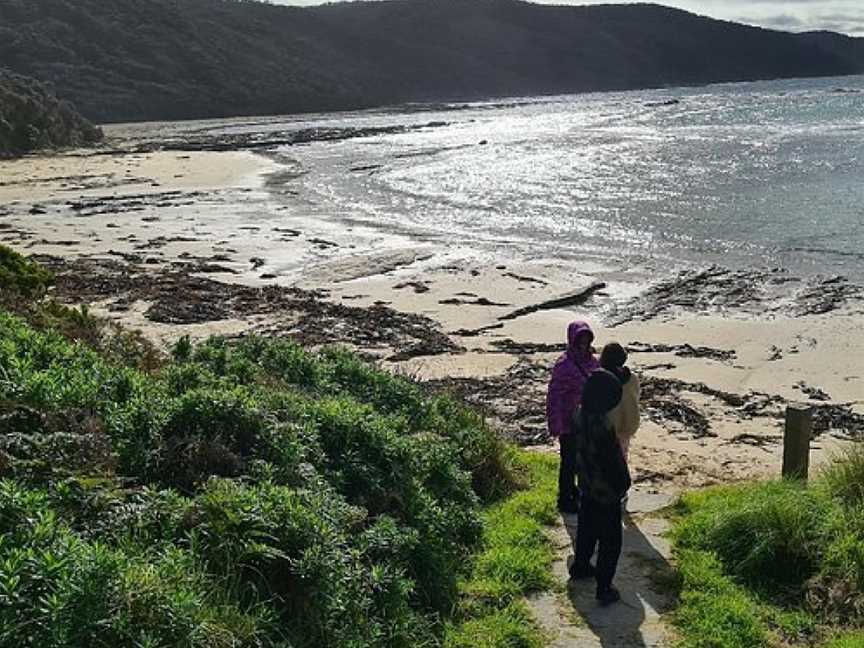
(568, 378)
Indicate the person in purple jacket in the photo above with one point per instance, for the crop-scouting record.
(569, 375)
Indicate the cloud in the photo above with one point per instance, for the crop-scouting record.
(852, 24)
(845, 16)
(781, 21)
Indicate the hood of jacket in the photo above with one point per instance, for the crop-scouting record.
(576, 331)
(569, 375)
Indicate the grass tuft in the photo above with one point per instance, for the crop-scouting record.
(774, 562)
(21, 276)
(850, 640)
(516, 560)
(509, 627)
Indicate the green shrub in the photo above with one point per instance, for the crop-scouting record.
(58, 589)
(108, 339)
(74, 323)
(281, 365)
(388, 394)
(209, 432)
(324, 502)
(31, 117)
(21, 276)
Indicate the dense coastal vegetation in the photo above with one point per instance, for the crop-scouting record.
(33, 117)
(250, 492)
(124, 60)
(247, 493)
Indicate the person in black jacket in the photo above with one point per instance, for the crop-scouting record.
(603, 481)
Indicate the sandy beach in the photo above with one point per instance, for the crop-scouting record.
(199, 242)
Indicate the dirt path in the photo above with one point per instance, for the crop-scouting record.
(571, 616)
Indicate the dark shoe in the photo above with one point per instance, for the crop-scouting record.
(608, 596)
(582, 572)
(569, 507)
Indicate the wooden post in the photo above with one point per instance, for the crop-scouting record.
(796, 442)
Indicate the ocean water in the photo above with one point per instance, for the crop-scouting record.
(748, 174)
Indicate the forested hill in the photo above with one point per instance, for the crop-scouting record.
(32, 117)
(169, 59)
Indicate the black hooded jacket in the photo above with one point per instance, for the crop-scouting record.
(600, 465)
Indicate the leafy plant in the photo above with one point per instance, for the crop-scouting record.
(243, 493)
(21, 276)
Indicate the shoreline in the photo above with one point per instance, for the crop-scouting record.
(720, 351)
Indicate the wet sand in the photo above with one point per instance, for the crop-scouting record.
(203, 242)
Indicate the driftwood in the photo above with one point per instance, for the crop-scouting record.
(575, 298)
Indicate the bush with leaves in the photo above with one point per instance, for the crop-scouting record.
(20, 277)
(32, 117)
(245, 493)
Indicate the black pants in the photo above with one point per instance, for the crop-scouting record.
(599, 527)
(568, 494)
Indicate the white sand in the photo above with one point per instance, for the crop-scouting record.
(234, 216)
(47, 178)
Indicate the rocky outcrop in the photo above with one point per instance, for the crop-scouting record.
(33, 117)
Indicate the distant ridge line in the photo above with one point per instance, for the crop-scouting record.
(129, 60)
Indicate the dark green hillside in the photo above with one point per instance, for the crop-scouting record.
(851, 49)
(163, 59)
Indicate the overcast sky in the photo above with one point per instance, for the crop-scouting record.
(846, 16)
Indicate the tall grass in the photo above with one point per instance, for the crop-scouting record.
(515, 559)
(773, 562)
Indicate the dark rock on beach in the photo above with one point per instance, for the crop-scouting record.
(524, 279)
(479, 301)
(717, 289)
(813, 393)
(477, 331)
(268, 141)
(526, 348)
(683, 351)
(417, 286)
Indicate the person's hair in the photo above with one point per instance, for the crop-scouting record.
(602, 392)
(613, 356)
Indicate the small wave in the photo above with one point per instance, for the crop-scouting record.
(431, 151)
(828, 251)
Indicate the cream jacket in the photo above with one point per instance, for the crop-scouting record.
(625, 416)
